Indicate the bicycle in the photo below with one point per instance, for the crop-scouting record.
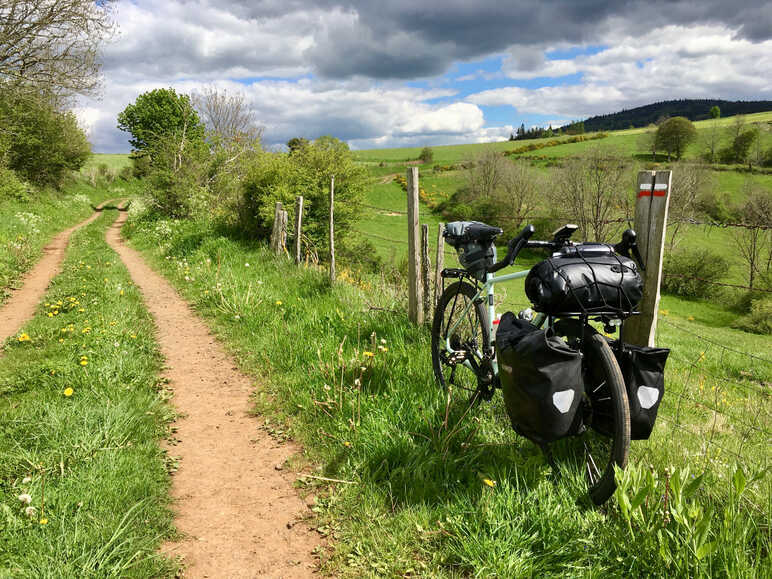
(464, 348)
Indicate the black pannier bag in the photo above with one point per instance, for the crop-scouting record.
(588, 278)
(474, 242)
(644, 372)
(541, 380)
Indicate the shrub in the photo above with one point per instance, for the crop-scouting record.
(427, 155)
(692, 273)
(759, 320)
(11, 187)
(126, 173)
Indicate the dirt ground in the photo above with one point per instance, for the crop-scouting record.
(238, 514)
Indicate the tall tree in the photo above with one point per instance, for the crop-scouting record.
(675, 134)
(158, 113)
(52, 45)
(227, 116)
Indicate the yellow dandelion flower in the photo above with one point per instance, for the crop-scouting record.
(84, 362)
(278, 302)
(24, 338)
(489, 482)
(690, 318)
(121, 292)
(61, 340)
(134, 336)
(68, 392)
(369, 354)
(43, 521)
(347, 444)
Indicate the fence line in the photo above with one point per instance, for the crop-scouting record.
(707, 281)
(713, 342)
(685, 221)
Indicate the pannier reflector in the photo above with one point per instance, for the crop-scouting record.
(562, 400)
(647, 396)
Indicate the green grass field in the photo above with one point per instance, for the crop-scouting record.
(353, 383)
(116, 162)
(82, 412)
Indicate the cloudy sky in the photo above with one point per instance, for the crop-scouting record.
(417, 72)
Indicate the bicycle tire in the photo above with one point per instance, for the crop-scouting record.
(452, 301)
(606, 397)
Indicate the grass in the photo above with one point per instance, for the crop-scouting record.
(27, 226)
(116, 162)
(93, 455)
(354, 385)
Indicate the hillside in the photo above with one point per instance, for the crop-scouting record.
(693, 109)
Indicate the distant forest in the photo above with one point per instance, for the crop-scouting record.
(692, 109)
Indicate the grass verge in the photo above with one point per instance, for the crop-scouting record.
(432, 489)
(83, 483)
(27, 226)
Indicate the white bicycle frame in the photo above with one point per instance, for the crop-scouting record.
(487, 289)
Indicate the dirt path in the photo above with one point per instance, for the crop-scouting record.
(23, 302)
(236, 510)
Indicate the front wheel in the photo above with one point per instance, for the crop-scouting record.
(462, 323)
(607, 440)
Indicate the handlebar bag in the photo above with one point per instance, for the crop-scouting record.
(644, 372)
(585, 280)
(541, 380)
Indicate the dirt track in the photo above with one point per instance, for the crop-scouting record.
(237, 512)
(22, 304)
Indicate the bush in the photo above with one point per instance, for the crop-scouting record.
(759, 320)
(692, 273)
(427, 155)
(11, 187)
(126, 173)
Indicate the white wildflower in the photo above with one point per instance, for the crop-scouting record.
(31, 512)
(26, 480)
(25, 498)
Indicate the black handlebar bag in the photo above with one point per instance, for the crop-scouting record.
(541, 380)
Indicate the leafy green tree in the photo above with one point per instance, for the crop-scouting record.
(38, 141)
(741, 146)
(427, 155)
(715, 112)
(675, 134)
(157, 114)
(296, 143)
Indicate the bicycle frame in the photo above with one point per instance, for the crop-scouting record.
(487, 290)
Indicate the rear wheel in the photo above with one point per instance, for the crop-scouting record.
(607, 440)
(464, 324)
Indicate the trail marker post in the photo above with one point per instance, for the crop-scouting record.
(415, 296)
(651, 206)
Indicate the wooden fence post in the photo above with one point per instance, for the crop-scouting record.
(651, 206)
(415, 297)
(298, 227)
(276, 230)
(425, 271)
(439, 264)
(332, 229)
